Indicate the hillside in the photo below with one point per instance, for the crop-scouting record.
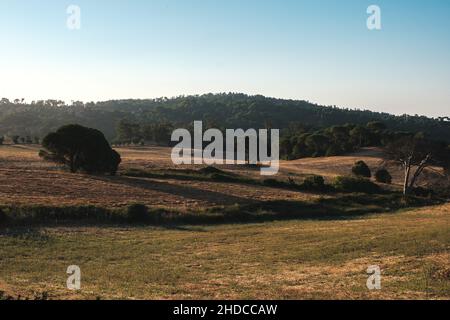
(28, 180)
(277, 260)
(216, 110)
(294, 258)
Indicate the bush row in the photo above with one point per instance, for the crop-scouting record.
(139, 214)
(313, 183)
(43, 214)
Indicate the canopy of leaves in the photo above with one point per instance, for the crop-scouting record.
(81, 148)
(361, 169)
(383, 176)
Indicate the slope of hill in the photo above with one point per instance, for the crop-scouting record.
(28, 180)
(301, 259)
(284, 259)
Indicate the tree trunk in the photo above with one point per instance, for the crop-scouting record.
(407, 165)
(414, 178)
(419, 170)
(72, 163)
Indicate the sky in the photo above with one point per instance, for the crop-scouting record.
(315, 50)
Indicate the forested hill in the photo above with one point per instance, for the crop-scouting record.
(217, 110)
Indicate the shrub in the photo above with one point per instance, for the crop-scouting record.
(355, 184)
(210, 170)
(291, 181)
(15, 139)
(314, 182)
(383, 176)
(137, 213)
(3, 217)
(270, 182)
(422, 192)
(361, 169)
(220, 177)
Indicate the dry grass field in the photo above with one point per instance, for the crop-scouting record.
(294, 259)
(27, 179)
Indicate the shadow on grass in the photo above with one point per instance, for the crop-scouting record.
(25, 233)
(212, 174)
(174, 189)
(338, 208)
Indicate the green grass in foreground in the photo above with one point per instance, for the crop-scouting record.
(298, 259)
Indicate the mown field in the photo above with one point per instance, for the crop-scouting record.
(287, 259)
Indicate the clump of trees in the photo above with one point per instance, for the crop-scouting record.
(415, 153)
(81, 149)
(361, 169)
(336, 140)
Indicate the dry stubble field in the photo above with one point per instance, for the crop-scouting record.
(298, 259)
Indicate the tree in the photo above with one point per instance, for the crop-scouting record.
(4, 101)
(159, 133)
(314, 182)
(376, 126)
(333, 150)
(414, 154)
(317, 144)
(15, 139)
(447, 162)
(81, 148)
(360, 136)
(2, 139)
(128, 132)
(361, 169)
(383, 176)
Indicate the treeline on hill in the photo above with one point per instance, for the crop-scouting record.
(16, 139)
(135, 133)
(296, 141)
(221, 111)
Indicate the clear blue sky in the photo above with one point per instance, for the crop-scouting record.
(317, 50)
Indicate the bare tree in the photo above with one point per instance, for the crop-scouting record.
(414, 154)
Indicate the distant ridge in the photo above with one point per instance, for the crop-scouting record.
(224, 110)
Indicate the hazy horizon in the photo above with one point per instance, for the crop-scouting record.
(320, 52)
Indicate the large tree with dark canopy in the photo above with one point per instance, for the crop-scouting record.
(81, 149)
